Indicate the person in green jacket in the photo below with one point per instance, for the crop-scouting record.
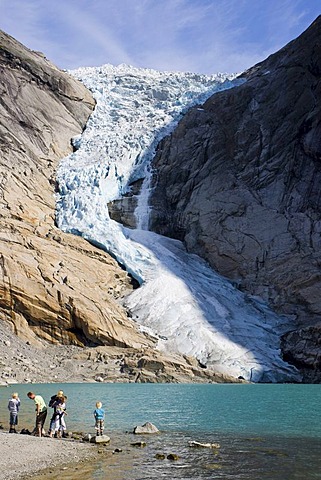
(41, 411)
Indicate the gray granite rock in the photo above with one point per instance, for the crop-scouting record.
(100, 439)
(239, 180)
(147, 428)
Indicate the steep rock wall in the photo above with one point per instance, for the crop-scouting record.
(53, 286)
(239, 180)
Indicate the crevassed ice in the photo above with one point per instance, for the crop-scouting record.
(187, 306)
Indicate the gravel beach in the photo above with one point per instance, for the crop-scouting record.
(23, 455)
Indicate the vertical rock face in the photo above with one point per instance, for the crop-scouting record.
(239, 180)
(52, 285)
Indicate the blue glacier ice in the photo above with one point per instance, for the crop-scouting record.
(181, 301)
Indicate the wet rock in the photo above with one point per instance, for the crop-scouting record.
(213, 466)
(123, 211)
(204, 445)
(160, 456)
(172, 456)
(147, 428)
(117, 450)
(100, 439)
(139, 444)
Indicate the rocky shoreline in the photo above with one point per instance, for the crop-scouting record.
(23, 455)
(21, 362)
(28, 456)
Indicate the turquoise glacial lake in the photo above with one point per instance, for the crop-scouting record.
(270, 431)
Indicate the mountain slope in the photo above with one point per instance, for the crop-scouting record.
(182, 302)
(239, 182)
(56, 288)
(52, 286)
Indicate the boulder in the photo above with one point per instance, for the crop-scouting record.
(100, 439)
(147, 428)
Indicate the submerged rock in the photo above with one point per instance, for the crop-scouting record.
(160, 456)
(172, 456)
(139, 444)
(204, 445)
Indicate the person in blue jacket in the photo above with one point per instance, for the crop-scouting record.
(99, 414)
(13, 406)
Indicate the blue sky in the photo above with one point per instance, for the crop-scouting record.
(204, 36)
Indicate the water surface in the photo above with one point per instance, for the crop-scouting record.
(265, 431)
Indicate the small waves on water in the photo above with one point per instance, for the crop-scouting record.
(266, 431)
(239, 457)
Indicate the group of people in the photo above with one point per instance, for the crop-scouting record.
(57, 425)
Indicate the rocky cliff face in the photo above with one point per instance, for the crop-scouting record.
(53, 286)
(56, 288)
(239, 181)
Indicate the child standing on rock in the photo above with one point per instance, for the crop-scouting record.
(13, 407)
(99, 414)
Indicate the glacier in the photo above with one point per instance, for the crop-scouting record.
(181, 301)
